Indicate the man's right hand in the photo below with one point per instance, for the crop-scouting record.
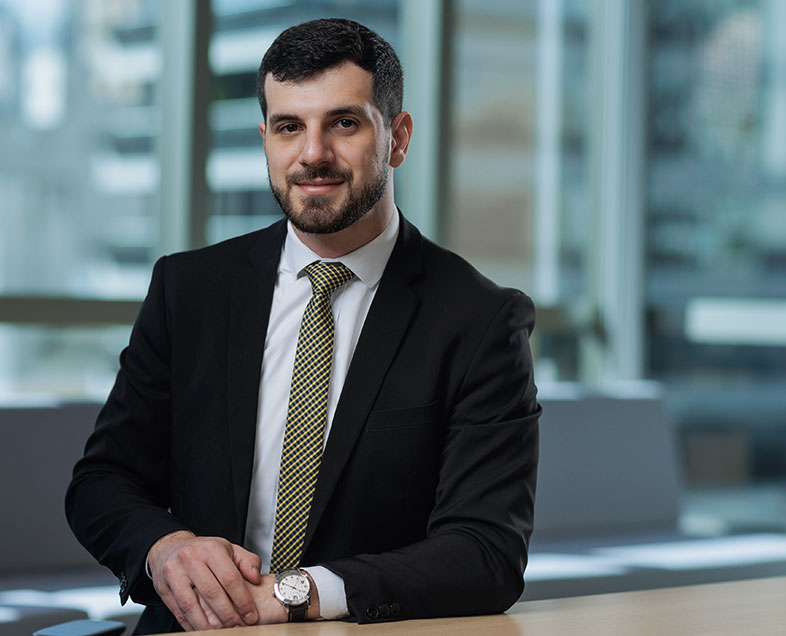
(188, 571)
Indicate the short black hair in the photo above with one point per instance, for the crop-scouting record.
(308, 49)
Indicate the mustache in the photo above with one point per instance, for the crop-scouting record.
(324, 172)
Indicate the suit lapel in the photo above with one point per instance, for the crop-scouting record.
(252, 295)
(389, 316)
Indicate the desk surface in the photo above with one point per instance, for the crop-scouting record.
(741, 608)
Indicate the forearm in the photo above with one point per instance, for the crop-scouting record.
(473, 556)
(117, 502)
(118, 524)
(473, 559)
(445, 576)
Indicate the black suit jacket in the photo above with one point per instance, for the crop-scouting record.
(425, 495)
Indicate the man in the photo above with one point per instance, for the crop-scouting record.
(333, 392)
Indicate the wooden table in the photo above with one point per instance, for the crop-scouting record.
(741, 608)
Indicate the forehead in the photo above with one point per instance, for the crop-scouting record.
(343, 85)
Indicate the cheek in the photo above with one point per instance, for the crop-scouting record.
(276, 169)
(363, 157)
(382, 154)
(278, 158)
(369, 160)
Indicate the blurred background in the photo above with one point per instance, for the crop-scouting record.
(623, 162)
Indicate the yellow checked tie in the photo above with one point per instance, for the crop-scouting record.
(303, 439)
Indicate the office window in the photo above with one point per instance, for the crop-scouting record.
(517, 203)
(716, 233)
(42, 365)
(78, 174)
(78, 181)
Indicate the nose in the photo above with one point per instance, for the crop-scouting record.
(316, 148)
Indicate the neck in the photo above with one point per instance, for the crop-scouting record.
(363, 231)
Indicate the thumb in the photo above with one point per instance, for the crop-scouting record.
(248, 563)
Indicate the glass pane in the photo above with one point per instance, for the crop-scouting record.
(243, 31)
(716, 238)
(517, 203)
(38, 363)
(78, 177)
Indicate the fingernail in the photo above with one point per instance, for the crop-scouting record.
(250, 618)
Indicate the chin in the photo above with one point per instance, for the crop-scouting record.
(312, 222)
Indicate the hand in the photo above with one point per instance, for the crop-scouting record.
(204, 581)
(269, 607)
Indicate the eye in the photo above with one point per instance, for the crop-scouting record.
(346, 124)
(288, 129)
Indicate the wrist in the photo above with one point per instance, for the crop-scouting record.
(313, 611)
(162, 547)
(332, 595)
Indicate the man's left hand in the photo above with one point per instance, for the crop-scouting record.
(269, 608)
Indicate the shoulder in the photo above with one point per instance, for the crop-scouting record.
(450, 280)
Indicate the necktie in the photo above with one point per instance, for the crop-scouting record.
(303, 439)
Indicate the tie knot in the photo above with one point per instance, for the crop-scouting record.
(327, 277)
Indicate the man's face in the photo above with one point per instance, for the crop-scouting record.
(327, 148)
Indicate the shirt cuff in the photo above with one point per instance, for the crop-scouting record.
(332, 597)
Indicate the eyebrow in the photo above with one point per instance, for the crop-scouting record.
(347, 110)
(333, 112)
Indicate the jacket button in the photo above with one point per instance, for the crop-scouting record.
(394, 609)
(384, 610)
(372, 613)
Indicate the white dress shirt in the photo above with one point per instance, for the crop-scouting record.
(350, 305)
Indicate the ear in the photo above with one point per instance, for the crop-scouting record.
(400, 134)
(262, 132)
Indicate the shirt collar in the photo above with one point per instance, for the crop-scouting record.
(367, 262)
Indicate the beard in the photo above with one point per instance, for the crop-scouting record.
(317, 215)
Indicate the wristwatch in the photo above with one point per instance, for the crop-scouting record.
(293, 589)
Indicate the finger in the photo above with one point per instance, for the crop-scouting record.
(163, 589)
(187, 609)
(248, 563)
(210, 580)
(214, 621)
(169, 601)
(235, 586)
(195, 562)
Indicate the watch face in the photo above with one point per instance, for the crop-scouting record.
(294, 589)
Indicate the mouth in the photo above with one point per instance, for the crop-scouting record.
(319, 186)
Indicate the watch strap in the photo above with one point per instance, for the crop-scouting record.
(297, 613)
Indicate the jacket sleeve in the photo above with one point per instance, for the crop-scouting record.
(473, 557)
(118, 498)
